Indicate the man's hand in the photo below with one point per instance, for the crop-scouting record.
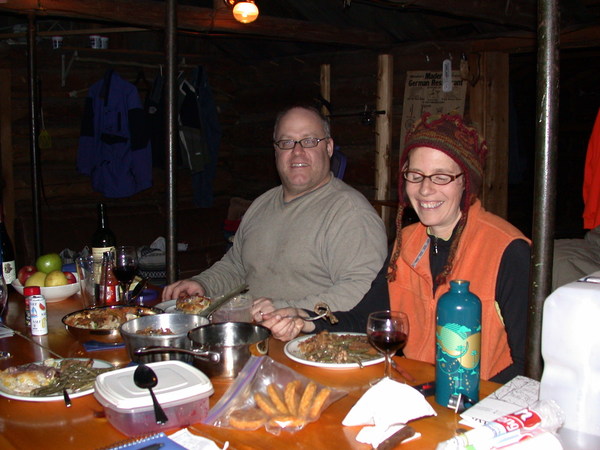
(182, 288)
(287, 323)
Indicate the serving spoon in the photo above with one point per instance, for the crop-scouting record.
(145, 378)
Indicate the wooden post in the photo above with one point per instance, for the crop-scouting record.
(325, 81)
(488, 106)
(383, 132)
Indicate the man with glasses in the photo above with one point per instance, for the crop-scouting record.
(311, 240)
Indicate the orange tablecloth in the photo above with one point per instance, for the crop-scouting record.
(29, 425)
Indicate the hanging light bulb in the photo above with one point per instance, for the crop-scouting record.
(244, 11)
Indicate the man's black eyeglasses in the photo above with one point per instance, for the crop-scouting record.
(309, 142)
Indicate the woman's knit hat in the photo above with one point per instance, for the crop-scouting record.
(461, 142)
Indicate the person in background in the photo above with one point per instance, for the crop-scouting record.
(455, 238)
(312, 239)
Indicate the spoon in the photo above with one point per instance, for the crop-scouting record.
(145, 378)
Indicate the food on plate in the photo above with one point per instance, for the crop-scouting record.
(247, 419)
(194, 304)
(104, 318)
(326, 347)
(50, 377)
(21, 380)
(149, 331)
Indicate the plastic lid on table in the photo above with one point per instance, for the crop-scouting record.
(177, 382)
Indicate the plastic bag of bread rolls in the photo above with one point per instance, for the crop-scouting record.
(271, 395)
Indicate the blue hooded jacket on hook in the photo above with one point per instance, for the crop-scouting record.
(114, 148)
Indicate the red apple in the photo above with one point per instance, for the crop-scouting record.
(70, 277)
(24, 273)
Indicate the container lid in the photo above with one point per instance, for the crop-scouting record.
(176, 381)
(31, 290)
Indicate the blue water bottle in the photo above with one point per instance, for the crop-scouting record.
(458, 346)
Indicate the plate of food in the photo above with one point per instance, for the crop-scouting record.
(194, 304)
(102, 323)
(339, 350)
(44, 381)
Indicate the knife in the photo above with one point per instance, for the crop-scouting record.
(396, 438)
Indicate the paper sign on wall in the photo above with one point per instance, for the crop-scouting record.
(423, 93)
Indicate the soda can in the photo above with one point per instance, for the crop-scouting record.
(38, 315)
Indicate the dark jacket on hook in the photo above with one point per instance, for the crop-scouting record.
(113, 146)
(199, 134)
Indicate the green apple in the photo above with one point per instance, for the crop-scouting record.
(56, 278)
(49, 262)
(37, 279)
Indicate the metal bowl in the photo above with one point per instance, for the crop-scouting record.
(179, 325)
(109, 336)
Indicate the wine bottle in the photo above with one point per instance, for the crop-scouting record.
(103, 240)
(7, 253)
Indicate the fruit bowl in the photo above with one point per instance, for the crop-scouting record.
(54, 293)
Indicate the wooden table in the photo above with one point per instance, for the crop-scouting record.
(29, 425)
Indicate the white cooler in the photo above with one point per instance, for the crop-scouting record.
(571, 352)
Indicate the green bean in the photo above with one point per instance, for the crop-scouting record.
(75, 377)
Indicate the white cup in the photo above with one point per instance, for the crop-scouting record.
(103, 42)
(95, 41)
(57, 42)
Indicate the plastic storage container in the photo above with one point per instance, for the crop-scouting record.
(182, 391)
(571, 352)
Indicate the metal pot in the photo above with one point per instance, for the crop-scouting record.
(233, 342)
(178, 324)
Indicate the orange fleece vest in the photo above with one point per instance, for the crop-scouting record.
(478, 257)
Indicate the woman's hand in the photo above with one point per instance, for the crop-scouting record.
(182, 288)
(285, 324)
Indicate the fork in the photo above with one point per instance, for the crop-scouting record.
(308, 319)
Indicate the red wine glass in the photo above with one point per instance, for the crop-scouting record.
(387, 332)
(126, 264)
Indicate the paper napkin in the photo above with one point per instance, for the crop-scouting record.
(385, 408)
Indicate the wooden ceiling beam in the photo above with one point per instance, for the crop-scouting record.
(151, 14)
(517, 13)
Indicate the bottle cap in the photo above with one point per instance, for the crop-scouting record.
(31, 290)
